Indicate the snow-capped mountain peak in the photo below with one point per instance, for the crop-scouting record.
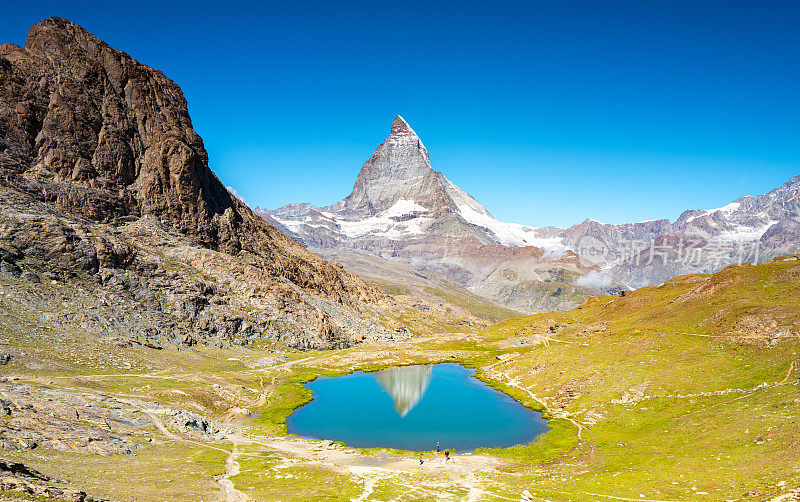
(401, 128)
(401, 206)
(398, 195)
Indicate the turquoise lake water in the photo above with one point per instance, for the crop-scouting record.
(413, 407)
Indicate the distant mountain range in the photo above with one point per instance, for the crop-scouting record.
(400, 208)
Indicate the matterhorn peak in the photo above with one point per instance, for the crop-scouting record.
(403, 135)
(401, 127)
(399, 176)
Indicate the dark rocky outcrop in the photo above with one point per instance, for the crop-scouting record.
(99, 163)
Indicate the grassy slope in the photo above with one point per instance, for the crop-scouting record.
(476, 305)
(666, 385)
(716, 414)
(698, 346)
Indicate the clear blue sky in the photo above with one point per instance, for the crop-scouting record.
(546, 112)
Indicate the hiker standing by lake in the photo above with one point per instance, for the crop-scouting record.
(437, 446)
(420, 459)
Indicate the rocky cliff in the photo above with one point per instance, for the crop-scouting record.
(400, 172)
(103, 178)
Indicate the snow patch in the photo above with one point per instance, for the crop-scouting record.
(382, 224)
(511, 234)
(292, 225)
(403, 207)
(744, 234)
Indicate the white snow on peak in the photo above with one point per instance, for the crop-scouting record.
(403, 207)
(727, 209)
(382, 224)
(462, 198)
(511, 234)
(508, 234)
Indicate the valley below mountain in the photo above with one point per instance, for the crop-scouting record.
(638, 391)
(156, 333)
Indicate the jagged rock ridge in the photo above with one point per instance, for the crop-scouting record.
(98, 160)
(400, 170)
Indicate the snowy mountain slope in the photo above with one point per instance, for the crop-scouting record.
(398, 195)
(401, 208)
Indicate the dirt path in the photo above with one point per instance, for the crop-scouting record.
(370, 476)
(160, 426)
(228, 490)
(749, 393)
(345, 458)
(787, 497)
(166, 432)
(462, 472)
(581, 428)
(788, 373)
(289, 364)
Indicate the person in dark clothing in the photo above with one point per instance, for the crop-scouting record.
(446, 455)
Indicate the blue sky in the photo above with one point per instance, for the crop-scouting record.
(546, 112)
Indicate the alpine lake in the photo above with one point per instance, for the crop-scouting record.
(414, 408)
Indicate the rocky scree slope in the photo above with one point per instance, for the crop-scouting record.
(104, 183)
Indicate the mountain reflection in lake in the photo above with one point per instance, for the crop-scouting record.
(413, 408)
(406, 385)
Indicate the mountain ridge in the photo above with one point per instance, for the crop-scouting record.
(400, 207)
(100, 167)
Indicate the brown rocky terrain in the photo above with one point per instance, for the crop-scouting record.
(106, 188)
